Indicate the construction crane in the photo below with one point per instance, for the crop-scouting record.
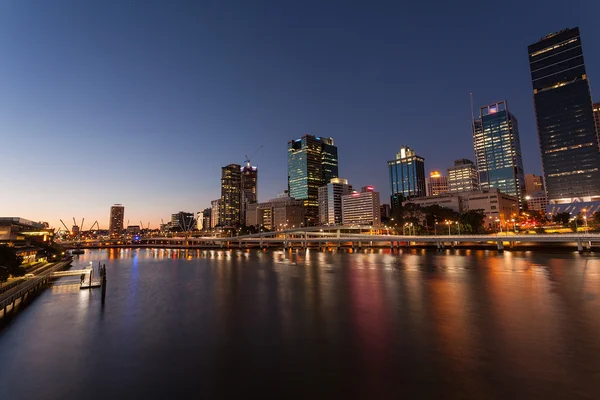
(94, 224)
(65, 225)
(248, 159)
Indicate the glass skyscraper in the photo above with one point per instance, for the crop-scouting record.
(565, 122)
(249, 189)
(312, 163)
(407, 176)
(498, 151)
(230, 204)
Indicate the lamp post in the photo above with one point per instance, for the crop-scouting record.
(435, 228)
(458, 225)
(448, 223)
(585, 221)
(500, 224)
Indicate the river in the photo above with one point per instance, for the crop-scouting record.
(369, 325)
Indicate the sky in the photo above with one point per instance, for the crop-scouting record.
(141, 102)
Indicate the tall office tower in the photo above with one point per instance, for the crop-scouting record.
(249, 191)
(533, 184)
(231, 196)
(565, 121)
(312, 163)
(407, 176)
(115, 225)
(436, 184)
(498, 151)
(215, 207)
(330, 201)
(361, 208)
(462, 177)
(596, 108)
(207, 219)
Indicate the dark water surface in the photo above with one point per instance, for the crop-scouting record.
(376, 325)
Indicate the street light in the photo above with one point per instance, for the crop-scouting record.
(458, 225)
(435, 228)
(585, 221)
(448, 223)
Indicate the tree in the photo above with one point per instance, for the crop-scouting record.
(10, 260)
(3, 275)
(472, 221)
(596, 218)
(562, 218)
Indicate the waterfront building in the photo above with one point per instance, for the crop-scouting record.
(330, 201)
(436, 184)
(386, 211)
(16, 230)
(537, 201)
(207, 219)
(312, 163)
(596, 108)
(183, 221)
(249, 193)
(133, 229)
(407, 176)
(276, 214)
(361, 208)
(494, 204)
(199, 220)
(565, 121)
(231, 196)
(117, 215)
(462, 177)
(498, 151)
(533, 184)
(215, 206)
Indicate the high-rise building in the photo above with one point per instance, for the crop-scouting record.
(462, 177)
(231, 196)
(565, 122)
(436, 184)
(199, 220)
(117, 214)
(312, 163)
(596, 108)
(361, 208)
(183, 221)
(215, 207)
(330, 201)
(277, 214)
(407, 176)
(533, 184)
(207, 219)
(249, 194)
(498, 151)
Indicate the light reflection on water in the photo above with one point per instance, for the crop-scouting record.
(366, 324)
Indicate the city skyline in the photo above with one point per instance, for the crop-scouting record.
(72, 94)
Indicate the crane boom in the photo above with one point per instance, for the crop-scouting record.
(65, 225)
(248, 159)
(81, 227)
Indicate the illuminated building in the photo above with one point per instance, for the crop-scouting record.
(214, 213)
(15, 230)
(565, 120)
(533, 184)
(312, 163)
(462, 177)
(207, 219)
(498, 151)
(183, 221)
(436, 184)
(537, 201)
(407, 176)
(115, 225)
(596, 109)
(277, 214)
(330, 201)
(361, 208)
(231, 196)
(249, 193)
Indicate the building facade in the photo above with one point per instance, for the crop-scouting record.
(183, 221)
(596, 108)
(362, 208)
(407, 176)
(207, 219)
(533, 184)
(330, 201)
(276, 214)
(215, 207)
(537, 201)
(498, 151)
(462, 177)
(230, 207)
(436, 184)
(117, 215)
(565, 121)
(312, 163)
(249, 188)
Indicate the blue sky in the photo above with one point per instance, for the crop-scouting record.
(142, 102)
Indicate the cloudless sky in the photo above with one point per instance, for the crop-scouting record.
(142, 102)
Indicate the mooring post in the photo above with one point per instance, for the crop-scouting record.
(500, 246)
(103, 283)
(579, 246)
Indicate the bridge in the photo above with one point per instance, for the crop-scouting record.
(350, 237)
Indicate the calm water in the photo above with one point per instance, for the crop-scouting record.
(212, 324)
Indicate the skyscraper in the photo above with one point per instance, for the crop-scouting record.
(462, 177)
(312, 163)
(407, 176)
(533, 184)
(596, 108)
(249, 188)
(361, 208)
(436, 184)
(563, 106)
(115, 225)
(231, 196)
(215, 207)
(330, 201)
(498, 151)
